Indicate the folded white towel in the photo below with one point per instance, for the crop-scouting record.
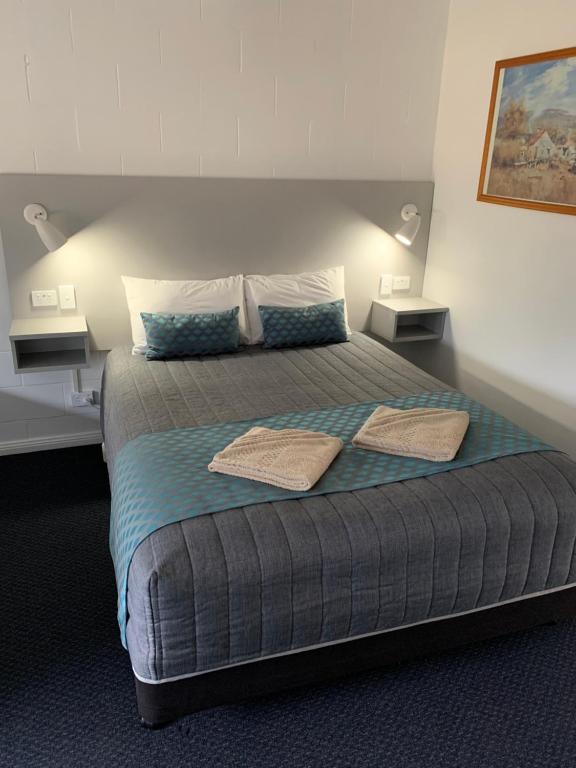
(434, 434)
(289, 458)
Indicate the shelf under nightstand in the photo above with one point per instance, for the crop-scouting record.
(49, 344)
(408, 319)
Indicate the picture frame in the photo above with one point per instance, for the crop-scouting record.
(529, 157)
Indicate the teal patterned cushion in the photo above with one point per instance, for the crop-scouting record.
(301, 326)
(181, 335)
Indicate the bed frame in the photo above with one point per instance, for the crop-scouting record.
(162, 703)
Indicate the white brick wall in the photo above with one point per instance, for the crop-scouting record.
(285, 88)
(325, 88)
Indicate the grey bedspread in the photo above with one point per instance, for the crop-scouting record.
(239, 585)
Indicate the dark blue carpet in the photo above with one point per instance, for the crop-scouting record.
(66, 695)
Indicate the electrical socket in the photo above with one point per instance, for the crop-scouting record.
(401, 283)
(82, 399)
(44, 299)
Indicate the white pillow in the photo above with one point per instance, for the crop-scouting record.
(181, 296)
(299, 290)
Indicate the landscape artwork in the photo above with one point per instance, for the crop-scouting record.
(530, 148)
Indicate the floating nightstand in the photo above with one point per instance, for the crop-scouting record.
(408, 319)
(49, 344)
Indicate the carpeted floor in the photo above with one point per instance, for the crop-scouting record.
(66, 696)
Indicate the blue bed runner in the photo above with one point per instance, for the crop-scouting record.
(162, 478)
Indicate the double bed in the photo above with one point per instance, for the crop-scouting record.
(248, 600)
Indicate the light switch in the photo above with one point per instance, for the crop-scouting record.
(385, 285)
(67, 297)
(401, 283)
(44, 299)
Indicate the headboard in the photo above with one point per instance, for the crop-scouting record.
(203, 228)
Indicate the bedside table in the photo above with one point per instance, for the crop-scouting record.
(49, 344)
(408, 319)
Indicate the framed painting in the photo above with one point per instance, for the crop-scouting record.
(529, 158)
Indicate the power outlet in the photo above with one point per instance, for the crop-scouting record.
(44, 299)
(401, 283)
(82, 399)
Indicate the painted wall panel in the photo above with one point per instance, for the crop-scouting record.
(507, 274)
(304, 89)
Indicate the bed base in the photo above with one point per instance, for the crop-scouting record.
(162, 703)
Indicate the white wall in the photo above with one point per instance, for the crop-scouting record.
(509, 275)
(236, 88)
(35, 407)
(292, 88)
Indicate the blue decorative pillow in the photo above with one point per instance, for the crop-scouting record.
(181, 335)
(300, 326)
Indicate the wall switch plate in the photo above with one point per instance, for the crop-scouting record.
(401, 283)
(385, 285)
(44, 299)
(67, 297)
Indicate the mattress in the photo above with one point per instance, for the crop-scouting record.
(272, 578)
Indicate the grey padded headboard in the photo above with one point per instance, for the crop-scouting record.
(203, 228)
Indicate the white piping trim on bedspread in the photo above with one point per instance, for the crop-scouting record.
(349, 639)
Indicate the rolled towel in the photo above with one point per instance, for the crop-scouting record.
(434, 434)
(289, 458)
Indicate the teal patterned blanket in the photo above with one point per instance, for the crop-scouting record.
(162, 478)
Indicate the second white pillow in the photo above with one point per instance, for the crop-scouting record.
(298, 290)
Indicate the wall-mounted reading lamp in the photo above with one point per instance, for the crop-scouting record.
(408, 231)
(51, 236)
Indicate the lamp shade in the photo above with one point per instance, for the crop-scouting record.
(49, 234)
(408, 231)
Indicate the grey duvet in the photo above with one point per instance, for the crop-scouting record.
(270, 578)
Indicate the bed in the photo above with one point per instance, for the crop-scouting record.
(271, 595)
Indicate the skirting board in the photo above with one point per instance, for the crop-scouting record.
(50, 443)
